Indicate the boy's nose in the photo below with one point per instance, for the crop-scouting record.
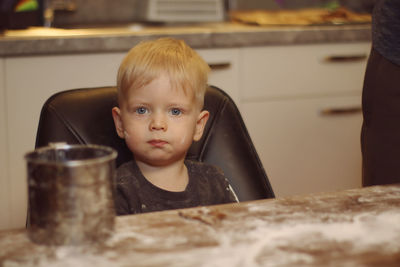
(158, 122)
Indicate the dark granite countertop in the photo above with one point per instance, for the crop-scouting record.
(358, 227)
(44, 41)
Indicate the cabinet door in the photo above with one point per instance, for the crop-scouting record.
(30, 82)
(4, 182)
(307, 144)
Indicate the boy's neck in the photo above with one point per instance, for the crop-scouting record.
(173, 177)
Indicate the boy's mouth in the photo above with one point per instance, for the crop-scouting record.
(157, 143)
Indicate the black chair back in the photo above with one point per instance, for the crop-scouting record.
(83, 116)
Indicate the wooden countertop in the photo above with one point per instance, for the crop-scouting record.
(357, 227)
(44, 41)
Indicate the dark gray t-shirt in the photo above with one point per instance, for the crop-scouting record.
(135, 194)
(386, 29)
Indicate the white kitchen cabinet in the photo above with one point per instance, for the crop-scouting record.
(304, 150)
(302, 70)
(4, 183)
(30, 81)
(301, 105)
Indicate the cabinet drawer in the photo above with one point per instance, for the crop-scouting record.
(308, 145)
(224, 65)
(323, 69)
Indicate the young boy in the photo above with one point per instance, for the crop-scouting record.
(161, 86)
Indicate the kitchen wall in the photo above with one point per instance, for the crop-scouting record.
(125, 11)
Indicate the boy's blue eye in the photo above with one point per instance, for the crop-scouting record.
(176, 111)
(141, 110)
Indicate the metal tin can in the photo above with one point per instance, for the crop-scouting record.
(71, 194)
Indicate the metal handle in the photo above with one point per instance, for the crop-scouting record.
(220, 66)
(340, 111)
(345, 58)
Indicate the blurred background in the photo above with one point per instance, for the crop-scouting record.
(125, 11)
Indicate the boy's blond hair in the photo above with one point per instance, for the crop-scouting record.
(147, 60)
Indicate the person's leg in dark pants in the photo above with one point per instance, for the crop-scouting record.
(380, 135)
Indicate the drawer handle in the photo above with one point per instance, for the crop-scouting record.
(220, 66)
(340, 111)
(346, 58)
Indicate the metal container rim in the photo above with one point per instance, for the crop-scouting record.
(112, 154)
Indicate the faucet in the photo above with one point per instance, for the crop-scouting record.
(50, 6)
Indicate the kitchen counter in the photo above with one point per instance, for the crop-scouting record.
(358, 227)
(43, 41)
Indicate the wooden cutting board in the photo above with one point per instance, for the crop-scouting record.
(309, 16)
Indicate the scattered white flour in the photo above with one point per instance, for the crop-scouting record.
(255, 243)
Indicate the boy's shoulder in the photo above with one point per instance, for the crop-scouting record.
(126, 167)
(201, 166)
(126, 170)
(212, 182)
(204, 171)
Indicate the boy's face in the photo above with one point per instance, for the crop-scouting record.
(159, 123)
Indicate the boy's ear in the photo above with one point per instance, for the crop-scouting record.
(116, 113)
(201, 124)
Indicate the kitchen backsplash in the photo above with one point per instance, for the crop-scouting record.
(95, 12)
